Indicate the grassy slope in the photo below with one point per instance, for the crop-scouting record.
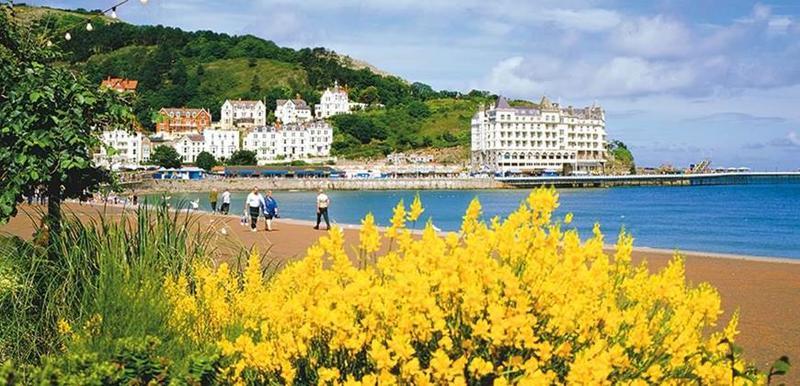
(235, 76)
(449, 116)
(59, 19)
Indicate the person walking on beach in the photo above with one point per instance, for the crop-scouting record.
(270, 210)
(253, 204)
(226, 202)
(322, 208)
(212, 198)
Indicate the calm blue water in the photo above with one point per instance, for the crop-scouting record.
(762, 220)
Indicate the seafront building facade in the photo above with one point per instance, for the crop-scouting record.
(290, 142)
(174, 122)
(243, 114)
(532, 140)
(130, 149)
(335, 101)
(221, 143)
(292, 111)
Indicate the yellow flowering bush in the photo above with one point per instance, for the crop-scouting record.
(516, 301)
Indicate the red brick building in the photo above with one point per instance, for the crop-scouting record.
(120, 84)
(182, 120)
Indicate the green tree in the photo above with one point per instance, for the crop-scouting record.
(418, 109)
(205, 161)
(166, 157)
(50, 123)
(369, 95)
(243, 157)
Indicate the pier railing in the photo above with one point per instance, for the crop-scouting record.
(655, 179)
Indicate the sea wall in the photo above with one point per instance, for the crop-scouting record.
(245, 184)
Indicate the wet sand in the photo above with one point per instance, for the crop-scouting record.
(765, 290)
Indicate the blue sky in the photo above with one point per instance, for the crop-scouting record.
(681, 80)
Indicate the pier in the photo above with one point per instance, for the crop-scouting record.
(746, 178)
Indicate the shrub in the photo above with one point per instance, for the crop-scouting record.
(513, 301)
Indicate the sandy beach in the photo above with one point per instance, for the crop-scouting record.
(765, 290)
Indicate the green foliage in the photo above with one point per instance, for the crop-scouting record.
(133, 361)
(243, 157)
(620, 151)
(51, 119)
(205, 161)
(165, 156)
(112, 269)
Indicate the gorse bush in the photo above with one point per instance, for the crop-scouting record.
(516, 301)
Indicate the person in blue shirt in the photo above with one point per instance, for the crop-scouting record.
(270, 209)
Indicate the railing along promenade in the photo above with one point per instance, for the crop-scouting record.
(739, 178)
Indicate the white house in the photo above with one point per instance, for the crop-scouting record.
(290, 142)
(130, 149)
(239, 113)
(335, 101)
(535, 139)
(292, 111)
(189, 146)
(221, 143)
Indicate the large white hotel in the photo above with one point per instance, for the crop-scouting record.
(532, 140)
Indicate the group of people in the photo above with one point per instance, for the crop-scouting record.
(258, 205)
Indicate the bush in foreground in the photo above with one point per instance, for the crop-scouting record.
(515, 301)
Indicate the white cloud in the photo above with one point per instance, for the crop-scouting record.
(589, 20)
(652, 37)
(793, 138)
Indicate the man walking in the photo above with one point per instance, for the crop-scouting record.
(322, 208)
(270, 210)
(253, 204)
(226, 202)
(212, 198)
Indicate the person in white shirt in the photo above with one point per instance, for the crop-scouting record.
(253, 204)
(226, 202)
(322, 208)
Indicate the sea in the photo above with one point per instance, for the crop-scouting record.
(755, 220)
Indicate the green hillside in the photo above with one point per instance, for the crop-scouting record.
(202, 69)
(236, 77)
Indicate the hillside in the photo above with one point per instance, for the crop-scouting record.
(202, 69)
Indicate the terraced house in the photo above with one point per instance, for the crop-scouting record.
(179, 121)
(242, 114)
(290, 142)
(532, 140)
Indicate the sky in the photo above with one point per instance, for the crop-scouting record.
(680, 80)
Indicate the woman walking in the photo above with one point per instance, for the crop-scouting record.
(212, 198)
(253, 204)
(270, 210)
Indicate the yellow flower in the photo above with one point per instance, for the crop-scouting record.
(568, 218)
(517, 293)
(369, 237)
(63, 327)
(416, 209)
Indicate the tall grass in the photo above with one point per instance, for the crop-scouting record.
(109, 273)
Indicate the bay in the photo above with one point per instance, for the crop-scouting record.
(759, 220)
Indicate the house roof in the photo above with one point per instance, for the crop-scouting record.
(120, 83)
(298, 103)
(242, 103)
(196, 137)
(167, 110)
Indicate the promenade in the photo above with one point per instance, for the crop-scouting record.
(765, 291)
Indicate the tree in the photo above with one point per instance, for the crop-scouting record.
(205, 161)
(243, 157)
(418, 109)
(369, 95)
(166, 157)
(50, 122)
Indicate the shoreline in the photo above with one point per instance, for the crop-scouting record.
(641, 248)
